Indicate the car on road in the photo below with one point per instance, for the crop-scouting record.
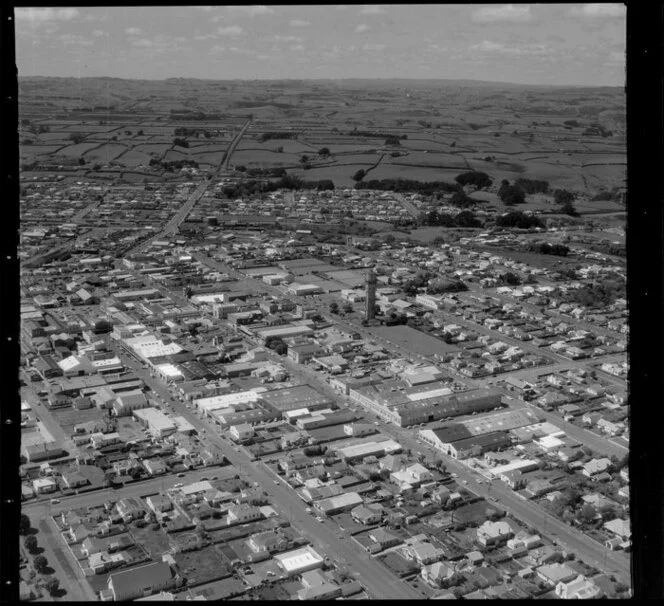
(180, 475)
(55, 501)
(178, 485)
(465, 481)
(276, 482)
(454, 475)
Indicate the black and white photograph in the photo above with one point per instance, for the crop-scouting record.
(323, 302)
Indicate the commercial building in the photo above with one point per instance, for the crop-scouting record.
(366, 449)
(299, 560)
(156, 421)
(339, 503)
(293, 398)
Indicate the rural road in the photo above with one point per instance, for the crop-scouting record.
(231, 148)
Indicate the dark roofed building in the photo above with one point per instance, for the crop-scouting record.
(141, 581)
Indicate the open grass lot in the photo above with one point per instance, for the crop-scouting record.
(220, 590)
(201, 566)
(106, 152)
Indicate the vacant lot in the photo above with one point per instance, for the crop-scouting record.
(201, 566)
(413, 341)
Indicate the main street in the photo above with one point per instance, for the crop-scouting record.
(377, 579)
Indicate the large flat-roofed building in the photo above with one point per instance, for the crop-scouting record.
(156, 421)
(299, 560)
(137, 295)
(252, 417)
(338, 503)
(366, 449)
(149, 346)
(469, 446)
(404, 406)
(501, 421)
(228, 400)
(292, 398)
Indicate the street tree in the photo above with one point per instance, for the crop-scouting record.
(40, 563)
(23, 524)
(30, 543)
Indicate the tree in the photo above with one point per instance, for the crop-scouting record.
(466, 218)
(334, 307)
(324, 151)
(474, 177)
(51, 585)
(281, 348)
(347, 307)
(30, 543)
(179, 142)
(76, 137)
(23, 524)
(569, 209)
(40, 563)
(359, 175)
(512, 195)
(586, 513)
(561, 196)
(304, 159)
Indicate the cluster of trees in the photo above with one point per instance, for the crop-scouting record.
(179, 142)
(393, 319)
(290, 182)
(277, 344)
(408, 186)
(465, 218)
(276, 135)
(271, 172)
(76, 137)
(439, 286)
(315, 451)
(532, 186)
(544, 248)
(368, 133)
(574, 123)
(187, 114)
(519, 219)
(172, 165)
(511, 194)
(392, 140)
(600, 294)
(461, 200)
(183, 131)
(477, 178)
(324, 151)
(39, 128)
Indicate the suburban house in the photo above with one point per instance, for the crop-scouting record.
(494, 533)
(580, 588)
(141, 581)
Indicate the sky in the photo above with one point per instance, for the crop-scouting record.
(561, 44)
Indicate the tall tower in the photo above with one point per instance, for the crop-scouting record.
(370, 295)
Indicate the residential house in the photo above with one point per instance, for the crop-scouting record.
(494, 533)
(438, 574)
(382, 539)
(595, 467)
(243, 513)
(141, 581)
(580, 588)
(423, 552)
(371, 513)
(556, 573)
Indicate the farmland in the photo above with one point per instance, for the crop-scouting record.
(422, 130)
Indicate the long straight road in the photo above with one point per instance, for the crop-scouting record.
(377, 579)
(231, 148)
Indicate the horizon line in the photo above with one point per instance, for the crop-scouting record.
(373, 79)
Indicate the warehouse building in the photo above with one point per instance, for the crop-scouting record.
(293, 398)
(448, 442)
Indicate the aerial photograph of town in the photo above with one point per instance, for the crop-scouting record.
(323, 302)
